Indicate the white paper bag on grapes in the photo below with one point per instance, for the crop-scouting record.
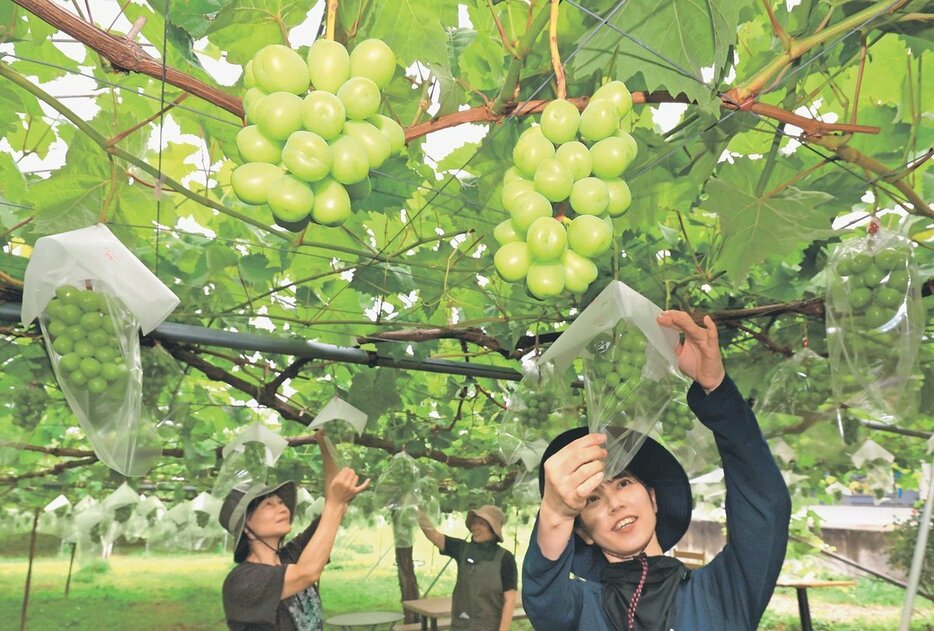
(248, 458)
(92, 298)
(56, 517)
(875, 322)
(630, 368)
(799, 390)
(541, 407)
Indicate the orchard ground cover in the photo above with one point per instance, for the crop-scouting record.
(182, 592)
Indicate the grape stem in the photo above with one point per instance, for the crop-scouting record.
(332, 20)
(555, 54)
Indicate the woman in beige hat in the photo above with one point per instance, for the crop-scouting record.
(487, 578)
(275, 587)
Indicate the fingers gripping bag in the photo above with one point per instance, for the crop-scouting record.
(92, 298)
(629, 364)
(541, 407)
(875, 322)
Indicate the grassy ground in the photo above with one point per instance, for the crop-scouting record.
(182, 592)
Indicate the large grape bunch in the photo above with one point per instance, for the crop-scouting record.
(878, 283)
(614, 370)
(562, 193)
(81, 335)
(314, 130)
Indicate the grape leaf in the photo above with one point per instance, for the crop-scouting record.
(755, 227)
(412, 28)
(691, 35)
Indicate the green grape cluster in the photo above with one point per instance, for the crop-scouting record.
(676, 421)
(534, 408)
(813, 386)
(614, 370)
(28, 402)
(562, 193)
(253, 460)
(308, 154)
(122, 513)
(82, 337)
(877, 283)
(850, 429)
(159, 371)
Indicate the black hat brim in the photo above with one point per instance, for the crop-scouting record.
(658, 469)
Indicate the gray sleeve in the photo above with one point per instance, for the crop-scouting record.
(252, 593)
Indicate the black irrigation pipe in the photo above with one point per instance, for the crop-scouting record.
(296, 347)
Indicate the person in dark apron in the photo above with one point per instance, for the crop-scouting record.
(487, 579)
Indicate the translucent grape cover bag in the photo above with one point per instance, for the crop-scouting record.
(875, 322)
(630, 368)
(92, 298)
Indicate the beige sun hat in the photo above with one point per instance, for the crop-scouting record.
(491, 515)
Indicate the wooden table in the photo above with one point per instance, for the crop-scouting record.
(430, 610)
(364, 620)
(801, 588)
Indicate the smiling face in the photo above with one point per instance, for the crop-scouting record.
(270, 519)
(619, 517)
(481, 531)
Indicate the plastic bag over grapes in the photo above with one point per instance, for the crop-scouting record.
(630, 369)
(405, 490)
(248, 458)
(92, 297)
(541, 407)
(799, 391)
(875, 322)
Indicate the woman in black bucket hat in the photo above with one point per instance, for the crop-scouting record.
(595, 560)
(275, 587)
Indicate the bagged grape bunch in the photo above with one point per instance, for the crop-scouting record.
(248, 458)
(563, 192)
(92, 298)
(404, 490)
(630, 368)
(541, 407)
(315, 131)
(679, 431)
(875, 322)
(799, 389)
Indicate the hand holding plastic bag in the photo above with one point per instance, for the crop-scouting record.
(630, 368)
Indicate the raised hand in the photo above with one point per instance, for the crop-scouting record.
(344, 487)
(572, 474)
(699, 354)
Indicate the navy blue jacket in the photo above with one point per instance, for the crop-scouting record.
(729, 593)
